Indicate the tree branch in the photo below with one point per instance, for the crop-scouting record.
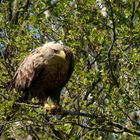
(113, 42)
(120, 128)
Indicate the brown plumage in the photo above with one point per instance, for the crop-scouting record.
(44, 72)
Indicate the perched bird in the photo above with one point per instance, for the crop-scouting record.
(44, 72)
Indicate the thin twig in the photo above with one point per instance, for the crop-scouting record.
(29, 105)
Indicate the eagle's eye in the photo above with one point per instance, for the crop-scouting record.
(56, 51)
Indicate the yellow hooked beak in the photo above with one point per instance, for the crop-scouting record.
(62, 55)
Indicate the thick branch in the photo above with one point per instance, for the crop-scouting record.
(125, 129)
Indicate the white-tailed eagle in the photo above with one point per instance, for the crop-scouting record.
(44, 72)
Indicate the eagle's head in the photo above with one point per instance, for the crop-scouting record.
(58, 50)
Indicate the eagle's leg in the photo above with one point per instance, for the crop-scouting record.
(56, 108)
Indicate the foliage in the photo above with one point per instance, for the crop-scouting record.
(102, 98)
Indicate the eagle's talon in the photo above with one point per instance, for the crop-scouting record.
(54, 109)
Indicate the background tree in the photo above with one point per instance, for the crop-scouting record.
(102, 99)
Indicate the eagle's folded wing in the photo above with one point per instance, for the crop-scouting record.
(28, 70)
